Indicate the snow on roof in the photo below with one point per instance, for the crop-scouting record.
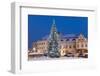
(67, 36)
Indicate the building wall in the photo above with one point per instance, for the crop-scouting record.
(66, 46)
(82, 44)
(41, 46)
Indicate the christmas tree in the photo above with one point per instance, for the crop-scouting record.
(53, 42)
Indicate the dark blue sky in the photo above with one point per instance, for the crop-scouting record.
(40, 26)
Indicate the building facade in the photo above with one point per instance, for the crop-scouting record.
(69, 45)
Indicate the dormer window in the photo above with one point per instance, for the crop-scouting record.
(61, 40)
(67, 39)
(73, 39)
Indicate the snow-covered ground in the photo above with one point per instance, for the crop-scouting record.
(48, 58)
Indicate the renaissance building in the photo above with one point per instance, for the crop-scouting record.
(70, 45)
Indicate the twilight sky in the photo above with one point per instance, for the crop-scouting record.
(40, 26)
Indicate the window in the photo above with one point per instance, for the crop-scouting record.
(85, 45)
(74, 46)
(73, 39)
(66, 46)
(70, 46)
(61, 40)
(67, 39)
(77, 45)
(82, 45)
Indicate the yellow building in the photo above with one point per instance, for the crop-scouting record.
(69, 44)
(82, 44)
(41, 46)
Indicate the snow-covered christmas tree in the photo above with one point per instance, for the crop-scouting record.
(53, 42)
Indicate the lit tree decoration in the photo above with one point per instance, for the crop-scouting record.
(53, 42)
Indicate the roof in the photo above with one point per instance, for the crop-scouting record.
(67, 36)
